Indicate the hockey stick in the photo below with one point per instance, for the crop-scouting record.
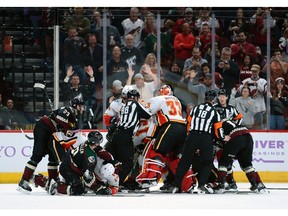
(43, 86)
(28, 137)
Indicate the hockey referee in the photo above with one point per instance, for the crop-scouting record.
(122, 144)
(202, 120)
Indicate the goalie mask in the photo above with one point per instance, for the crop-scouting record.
(165, 90)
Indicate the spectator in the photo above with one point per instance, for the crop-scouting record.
(48, 20)
(195, 63)
(278, 105)
(208, 56)
(245, 105)
(2, 115)
(204, 18)
(73, 50)
(237, 25)
(183, 44)
(206, 69)
(278, 68)
(176, 13)
(242, 48)
(284, 45)
(132, 55)
(146, 89)
(201, 88)
(245, 68)
(35, 16)
(151, 62)
(116, 68)
(113, 37)
(74, 89)
(260, 24)
(205, 38)
(116, 91)
(165, 46)
(181, 89)
(173, 75)
(189, 107)
(13, 119)
(96, 21)
(228, 69)
(188, 18)
(79, 21)
(258, 88)
(93, 56)
(148, 27)
(133, 25)
(167, 29)
(260, 59)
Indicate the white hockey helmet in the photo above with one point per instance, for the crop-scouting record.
(125, 90)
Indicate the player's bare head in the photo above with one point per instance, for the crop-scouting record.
(222, 97)
(210, 96)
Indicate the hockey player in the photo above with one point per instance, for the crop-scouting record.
(239, 146)
(167, 112)
(62, 119)
(78, 104)
(92, 164)
(111, 115)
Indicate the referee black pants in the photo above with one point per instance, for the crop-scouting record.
(122, 150)
(203, 142)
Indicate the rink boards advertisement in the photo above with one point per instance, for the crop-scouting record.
(269, 155)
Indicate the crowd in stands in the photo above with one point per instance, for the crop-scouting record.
(185, 56)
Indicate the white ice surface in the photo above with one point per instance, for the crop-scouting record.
(38, 200)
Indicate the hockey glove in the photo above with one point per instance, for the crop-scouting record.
(102, 190)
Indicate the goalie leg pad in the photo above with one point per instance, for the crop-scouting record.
(152, 166)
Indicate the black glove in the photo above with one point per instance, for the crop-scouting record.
(102, 189)
(140, 148)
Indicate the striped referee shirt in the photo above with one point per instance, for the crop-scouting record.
(131, 113)
(230, 112)
(204, 118)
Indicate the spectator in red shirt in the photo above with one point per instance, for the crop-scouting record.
(183, 44)
(206, 38)
(245, 69)
(242, 48)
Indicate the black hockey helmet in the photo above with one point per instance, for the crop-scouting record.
(133, 93)
(76, 101)
(210, 95)
(65, 118)
(95, 137)
(222, 92)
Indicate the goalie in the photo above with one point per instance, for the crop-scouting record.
(87, 168)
